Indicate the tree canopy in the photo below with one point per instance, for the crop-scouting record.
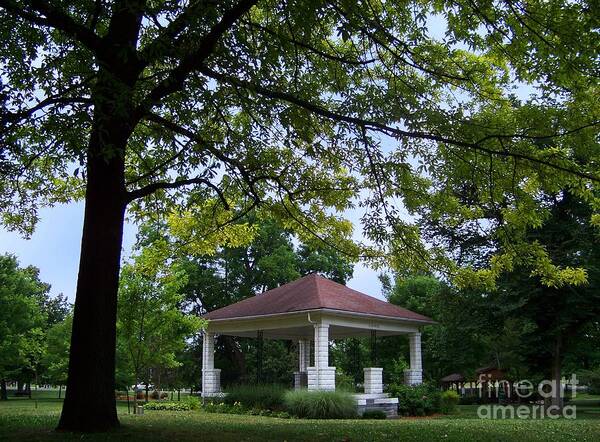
(299, 106)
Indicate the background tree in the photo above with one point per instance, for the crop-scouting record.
(272, 257)
(56, 358)
(57, 309)
(151, 327)
(189, 373)
(269, 259)
(53, 353)
(474, 329)
(21, 322)
(558, 314)
(533, 319)
(278, 105)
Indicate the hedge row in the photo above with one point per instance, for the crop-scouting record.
(276, 401)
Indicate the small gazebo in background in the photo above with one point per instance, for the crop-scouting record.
(492, 383)
(312, 311)
(454, 381)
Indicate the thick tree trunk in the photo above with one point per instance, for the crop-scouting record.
(90, 395)
(553, 401)
(557, 397)
(3, 392)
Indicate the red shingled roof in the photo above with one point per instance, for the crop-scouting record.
(313, 292)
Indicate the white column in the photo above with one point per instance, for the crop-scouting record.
(321, 376)
(414, 375)
(321, 345)
(211, 377)
(373, 380)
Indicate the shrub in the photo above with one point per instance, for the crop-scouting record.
(374, 414)
(256, 396)
(416, 400)
(168, 406)
(344, 382)
(320, 404)
(192, 401)
(395, 374)
(237, 408)
(591, 378)
(448, 401)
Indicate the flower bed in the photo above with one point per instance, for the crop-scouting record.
(238, 408)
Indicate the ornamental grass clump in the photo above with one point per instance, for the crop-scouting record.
(267, 396)
(320, 404)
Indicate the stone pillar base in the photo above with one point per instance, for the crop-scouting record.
(373, 380)
(300, 380)
(413, 377)
(381, 402)
(211, 381)
(321, 379)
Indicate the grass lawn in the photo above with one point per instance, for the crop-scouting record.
(34, 420)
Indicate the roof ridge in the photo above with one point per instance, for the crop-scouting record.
(320, 301)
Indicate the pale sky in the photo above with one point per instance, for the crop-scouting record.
(54, 249)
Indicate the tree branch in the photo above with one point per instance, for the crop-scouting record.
(160, 165)
(164, 42)
(151, 188)
(389, 130)
(55, 18)
(18, 116)
(194, 60)
(310, 48)
(174, 127)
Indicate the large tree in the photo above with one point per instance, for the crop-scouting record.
(560, 314)
(532, 318)
(125, 103)
(267, 260)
